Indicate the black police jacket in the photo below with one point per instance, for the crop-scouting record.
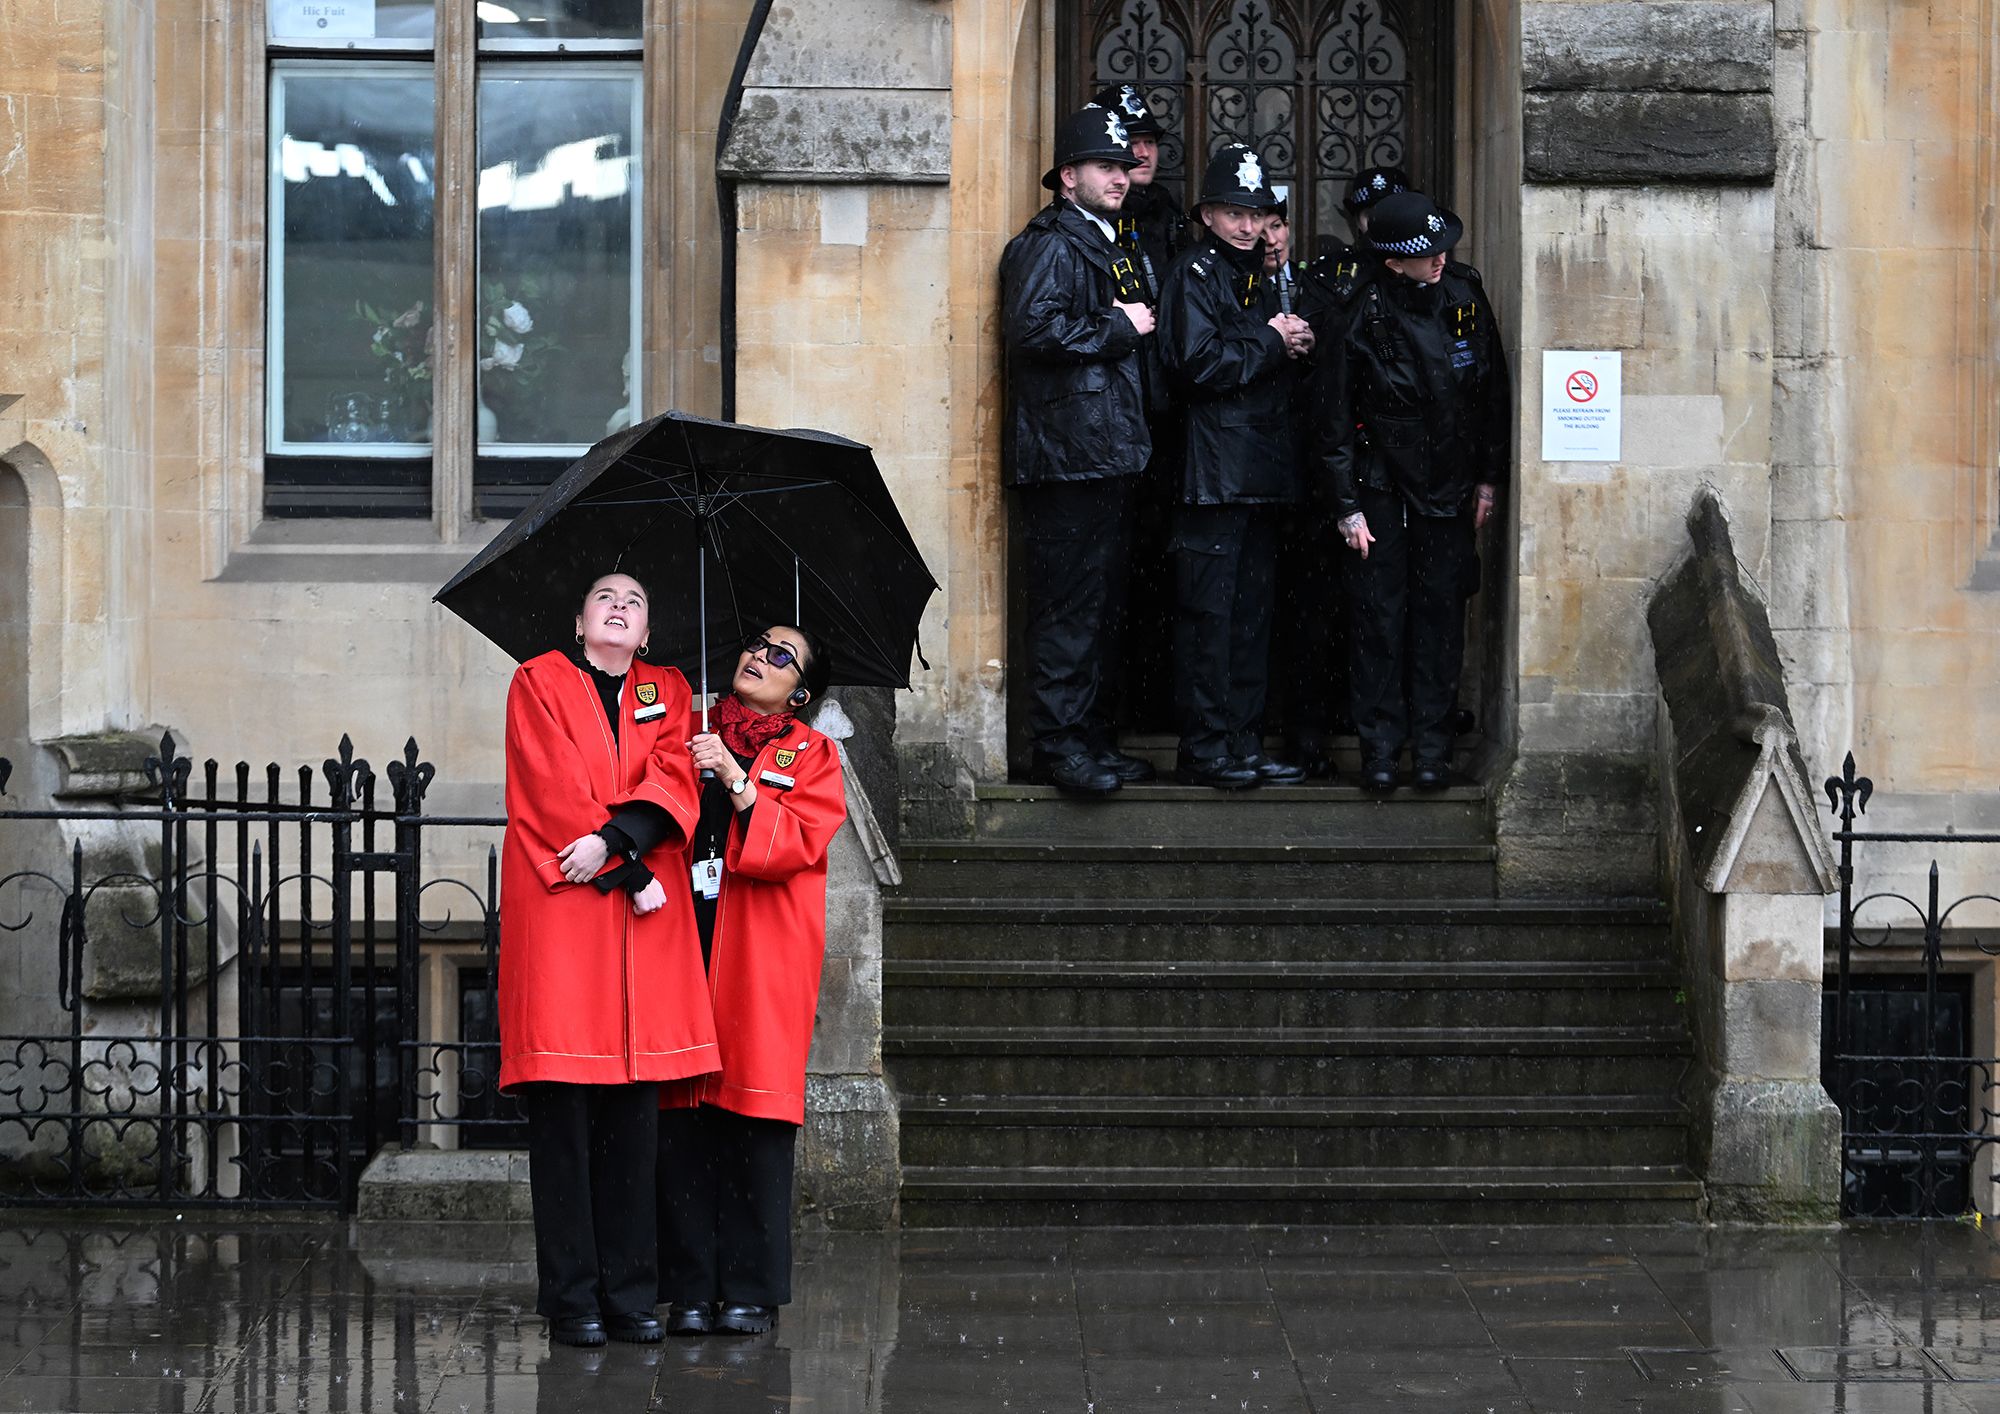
(1077, 403)
(1152, 227)
(1412, 392)
(1231, 372)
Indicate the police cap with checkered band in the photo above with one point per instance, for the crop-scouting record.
(1370, 185)
(1089, 133)
(1129, 104)
(1411, 224)
(1236, 177)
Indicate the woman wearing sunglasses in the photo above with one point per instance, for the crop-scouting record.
(771, 803)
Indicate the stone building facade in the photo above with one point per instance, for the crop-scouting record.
(1782, 213)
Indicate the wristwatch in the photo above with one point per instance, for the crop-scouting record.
(736, 786)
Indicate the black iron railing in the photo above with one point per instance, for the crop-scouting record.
(247, 1013)
(1920, 1113)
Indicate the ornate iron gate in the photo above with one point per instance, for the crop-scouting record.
(246, 1015)
(1918, 1109)
(1321, 88)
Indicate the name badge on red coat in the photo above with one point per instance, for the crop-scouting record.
(772, 778)
(650, 714)
(707, 878)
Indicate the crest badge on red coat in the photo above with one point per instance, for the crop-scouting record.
(784, 757)
(648, 693)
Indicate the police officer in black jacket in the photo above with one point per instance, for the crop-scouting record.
(1151, 223)
(1232, 355)
(1075, 313)
(1411, 436)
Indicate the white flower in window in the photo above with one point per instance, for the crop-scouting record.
(516, 317)
(505, 355)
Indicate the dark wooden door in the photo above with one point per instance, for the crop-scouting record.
(1321, 88)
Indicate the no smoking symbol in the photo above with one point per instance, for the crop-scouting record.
(1581, 387)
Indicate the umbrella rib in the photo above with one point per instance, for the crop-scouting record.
(855, 625)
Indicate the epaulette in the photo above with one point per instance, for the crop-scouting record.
(1463, 271)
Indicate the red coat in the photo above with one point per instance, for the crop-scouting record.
(590, 992)
(770, 932)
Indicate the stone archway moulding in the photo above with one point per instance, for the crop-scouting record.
(46, 576)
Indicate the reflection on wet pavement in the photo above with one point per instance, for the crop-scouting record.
(306, 1316)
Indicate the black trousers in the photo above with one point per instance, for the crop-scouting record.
(725, 1202)
(1225, 585)
(1309, 655)
(1079, 544)
(1408, 616)
(590, 1170)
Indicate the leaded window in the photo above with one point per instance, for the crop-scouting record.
(1321, 90)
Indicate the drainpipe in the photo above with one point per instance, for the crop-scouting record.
(725, 200)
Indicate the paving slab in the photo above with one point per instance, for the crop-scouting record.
(301, 1316)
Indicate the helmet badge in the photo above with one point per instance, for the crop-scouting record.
(1115, 130)
(1249, 175)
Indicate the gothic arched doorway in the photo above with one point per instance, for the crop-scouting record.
(1322, 88)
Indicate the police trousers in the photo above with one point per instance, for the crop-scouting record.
(1225, 581)
(1407, 601)
(725, 1198)
(590, 1179)
(1079, 542)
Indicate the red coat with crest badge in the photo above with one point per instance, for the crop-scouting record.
(770, 931)
(590, 992)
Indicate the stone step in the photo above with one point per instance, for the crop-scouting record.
(1198, 1131)
(953, 1196)
(1166, 813)
(1214, 1061)
(929, 992)
(1246, 929)
(1029, 870)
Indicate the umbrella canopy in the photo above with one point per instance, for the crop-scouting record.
(768, 527)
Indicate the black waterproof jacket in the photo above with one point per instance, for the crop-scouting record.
(1412, 392)
(1230, 371)
(1076, 392)
(1153, 227)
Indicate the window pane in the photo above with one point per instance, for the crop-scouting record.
(351, 297)
(350, 23)
(559, 19)
(558, 325)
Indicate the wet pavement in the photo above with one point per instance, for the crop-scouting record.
(203, 1314)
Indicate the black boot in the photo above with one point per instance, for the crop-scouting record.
(1075, 774)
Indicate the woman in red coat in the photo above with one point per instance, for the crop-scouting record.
(758, 863)
(602, 995)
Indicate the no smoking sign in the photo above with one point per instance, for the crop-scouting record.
(1582, 405)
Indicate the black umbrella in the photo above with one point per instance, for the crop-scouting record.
(793, 527)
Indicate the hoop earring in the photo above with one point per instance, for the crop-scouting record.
(579, 640)
(643, 649)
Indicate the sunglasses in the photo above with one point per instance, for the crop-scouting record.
(775, 654)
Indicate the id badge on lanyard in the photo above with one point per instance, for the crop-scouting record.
(707, 878)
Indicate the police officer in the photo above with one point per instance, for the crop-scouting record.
(1075, 313)
(1151, 226)
(1150, 223)
(1411, 436)
(1231, 353)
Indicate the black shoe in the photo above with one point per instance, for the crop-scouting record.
(1271, 771)
(585, 1331)
(690, 1318)
(1378, 774)
(638, 1328)
(1075, 773)
(1430, 775)
(1129, 769)
(745, 1320)
(1222, 772)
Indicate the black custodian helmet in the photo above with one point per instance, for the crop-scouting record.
(1235, 177)
(1088, 133)
(1371, 184)
(1129, 104)
(1410, 224)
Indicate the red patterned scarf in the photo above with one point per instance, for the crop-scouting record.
(744, 730)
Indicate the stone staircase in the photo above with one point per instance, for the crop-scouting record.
(1296, 1005)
